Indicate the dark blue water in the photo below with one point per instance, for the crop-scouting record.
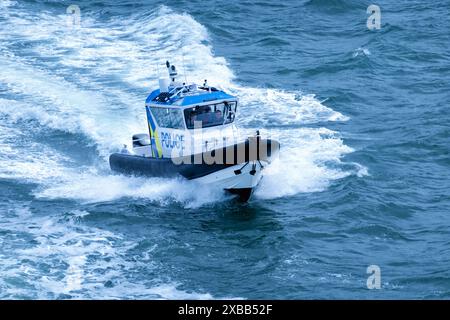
(363, 178)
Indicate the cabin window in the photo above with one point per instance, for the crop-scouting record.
(210, 115)
(168, 117)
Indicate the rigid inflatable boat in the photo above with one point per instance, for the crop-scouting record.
(192, 133)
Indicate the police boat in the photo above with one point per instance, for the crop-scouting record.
(192, 134)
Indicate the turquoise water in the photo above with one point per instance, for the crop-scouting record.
(363, 178)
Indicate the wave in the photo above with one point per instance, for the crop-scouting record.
(337, 5)
(69, 260)
(95, 84)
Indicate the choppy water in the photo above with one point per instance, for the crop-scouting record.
(363, 177)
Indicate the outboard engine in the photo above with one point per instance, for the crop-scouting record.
(141, 140)
(141, 145)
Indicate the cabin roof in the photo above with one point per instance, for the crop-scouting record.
(190, 98)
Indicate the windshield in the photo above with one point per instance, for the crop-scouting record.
(168, 117)
(210, 115)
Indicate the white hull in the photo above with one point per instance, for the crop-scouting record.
(237, 179)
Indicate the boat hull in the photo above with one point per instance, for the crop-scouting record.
(240, 175)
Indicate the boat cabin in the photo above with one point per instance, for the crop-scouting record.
(183, 119)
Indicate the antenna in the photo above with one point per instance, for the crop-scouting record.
(157, 69)
(172, 71)
(184, 69)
